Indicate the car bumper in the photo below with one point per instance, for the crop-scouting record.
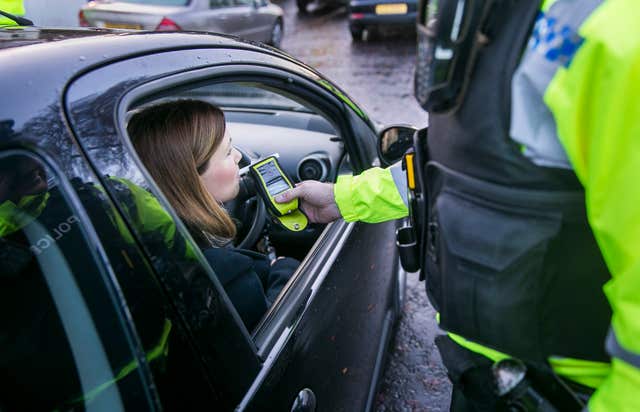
(367, 13)
(408, 19)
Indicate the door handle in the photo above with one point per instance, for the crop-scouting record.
(305, 401)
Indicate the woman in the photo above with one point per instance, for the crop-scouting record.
(185, 147)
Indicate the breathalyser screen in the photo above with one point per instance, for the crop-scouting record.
(273, 179)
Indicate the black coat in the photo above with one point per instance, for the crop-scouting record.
(251, 283)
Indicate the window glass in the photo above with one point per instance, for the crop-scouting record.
(215, 4)
(63, 344)
(174, 364)
(244, 2)
(259, 120)
(244, 95)
(159, 2)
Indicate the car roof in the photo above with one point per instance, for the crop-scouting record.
(38, 63)
(116, 42)
(74, 50)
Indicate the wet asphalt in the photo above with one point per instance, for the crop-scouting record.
(378, 74)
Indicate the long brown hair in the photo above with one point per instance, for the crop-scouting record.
(174, 140)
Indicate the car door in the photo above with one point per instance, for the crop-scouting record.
(67, 339)
(327, 331)
(255, 25)
(226, 16)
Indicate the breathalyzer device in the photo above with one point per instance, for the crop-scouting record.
(270, 180)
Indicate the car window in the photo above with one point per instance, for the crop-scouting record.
(216, 4)
(64, 343)
(224, 347)
(164, 339)
(159, 2)
(244, 95)
(244, 2)
(254, 102)
(260, 120)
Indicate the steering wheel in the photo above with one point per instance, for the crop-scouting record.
(250, 215)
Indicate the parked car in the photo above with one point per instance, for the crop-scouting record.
(256, 20)
(108, 304)
(302, 4)
(367, 14)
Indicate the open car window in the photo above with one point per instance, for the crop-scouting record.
(245, 95)
(261, 120)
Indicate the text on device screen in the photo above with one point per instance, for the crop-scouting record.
(272, 178)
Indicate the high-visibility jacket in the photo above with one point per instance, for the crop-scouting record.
(592, 97)
(15, 7)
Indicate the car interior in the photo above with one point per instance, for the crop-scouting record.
(262, 121)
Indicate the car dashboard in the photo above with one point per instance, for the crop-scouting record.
(308, 148)
(306, 144)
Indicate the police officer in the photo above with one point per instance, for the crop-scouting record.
(532, 247)
(15, 7)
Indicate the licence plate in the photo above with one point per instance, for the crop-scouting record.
(109, 25)
(393, 8)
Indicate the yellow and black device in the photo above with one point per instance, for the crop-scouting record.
(411, 238)
(270, 180)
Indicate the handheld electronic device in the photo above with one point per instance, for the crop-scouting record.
(270, 180)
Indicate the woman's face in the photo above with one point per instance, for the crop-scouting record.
(221, 176)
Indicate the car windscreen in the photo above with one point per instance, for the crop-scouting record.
(159, 2)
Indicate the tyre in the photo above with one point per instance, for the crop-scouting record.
(277, 32)
(356, 33)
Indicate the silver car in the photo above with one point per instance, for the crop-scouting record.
(257, 20)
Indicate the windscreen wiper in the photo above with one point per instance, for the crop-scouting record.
(19, 20)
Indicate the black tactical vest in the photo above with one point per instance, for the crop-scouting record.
(511, 261)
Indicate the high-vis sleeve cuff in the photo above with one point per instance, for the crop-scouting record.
(371, 197)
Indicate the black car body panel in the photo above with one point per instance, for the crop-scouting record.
(65, 97)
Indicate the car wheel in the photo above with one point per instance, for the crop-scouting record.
(356, 33)
(276, 34)
(302, 5)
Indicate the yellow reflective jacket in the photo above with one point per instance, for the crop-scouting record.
(593, 97)
(15, 7)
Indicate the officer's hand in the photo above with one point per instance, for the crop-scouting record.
(316, 200)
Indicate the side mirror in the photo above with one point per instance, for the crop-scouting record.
(394, 141)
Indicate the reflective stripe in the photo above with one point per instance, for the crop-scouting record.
(616, 350)
(161, 349)
(553, 43)
(585, 372)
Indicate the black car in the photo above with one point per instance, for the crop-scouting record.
(108, 304)
(367, 14)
